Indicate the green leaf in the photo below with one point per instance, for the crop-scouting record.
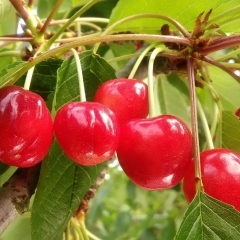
(7, 74)
(6, 10)
(62, 183)
(227, 88)
(230, 131)
(208, 218)
(172, 97)
(95, 71)
(186, 13)
(44, 77)
(3, 168)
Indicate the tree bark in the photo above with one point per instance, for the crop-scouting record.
(15, 194)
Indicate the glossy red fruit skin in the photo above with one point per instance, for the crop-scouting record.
(26, 127)
(155, 153)
(127, 98)
(220, 169)
(87, 132)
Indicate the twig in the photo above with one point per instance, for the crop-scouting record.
(15, 194)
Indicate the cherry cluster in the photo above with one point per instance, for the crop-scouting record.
(155, 153)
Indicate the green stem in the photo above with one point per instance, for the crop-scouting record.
(16, 39)
(48, 44)
(92, 236)
(221, 66)
(206, 129)
(68, 40)
(83, 228)
(28, 78)
(81, 20)
(76, 228)
(184, 32)
(80, 76)
(226, 56)
(51, 15)
(139, 60)
(80, 42)
(10, 54)
(151, 102)
(193, 101)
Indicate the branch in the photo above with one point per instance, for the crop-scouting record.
(15, 194)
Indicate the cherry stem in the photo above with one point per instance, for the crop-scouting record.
(223, 67)
(48, 44)
(151, 102)
(81, 20)
(76, 227)
(80, 75)
(184, 32)
(10, 53)
(206, 129)
(92, 236)
(139, 60)
(228, 55)
(51, 15)
(221, 43)
(193, 101)
(28, 78)
(83, 42)
(19, 6)
(83, 228)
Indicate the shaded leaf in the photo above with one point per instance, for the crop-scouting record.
(230, 131)
(44, 77)
(207, 218)
(7, 74)
(172, 97)
(3, 168)
(62, 183)
(186, 13)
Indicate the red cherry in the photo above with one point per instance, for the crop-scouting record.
(87, 132)
(26, 128)
(127, 98)
(220, 169)
(155, 153)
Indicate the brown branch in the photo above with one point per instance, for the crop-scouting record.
(15, 194)
(20, 8)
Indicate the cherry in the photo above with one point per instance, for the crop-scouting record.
(26, 128)
(155, 153)
(87, 132)
(220, 169)
(127, 98)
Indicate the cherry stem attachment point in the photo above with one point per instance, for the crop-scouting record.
(152, 109)
(28, 79)
(80, 75)
(194, 120)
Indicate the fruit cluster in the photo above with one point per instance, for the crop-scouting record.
(155, 153)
